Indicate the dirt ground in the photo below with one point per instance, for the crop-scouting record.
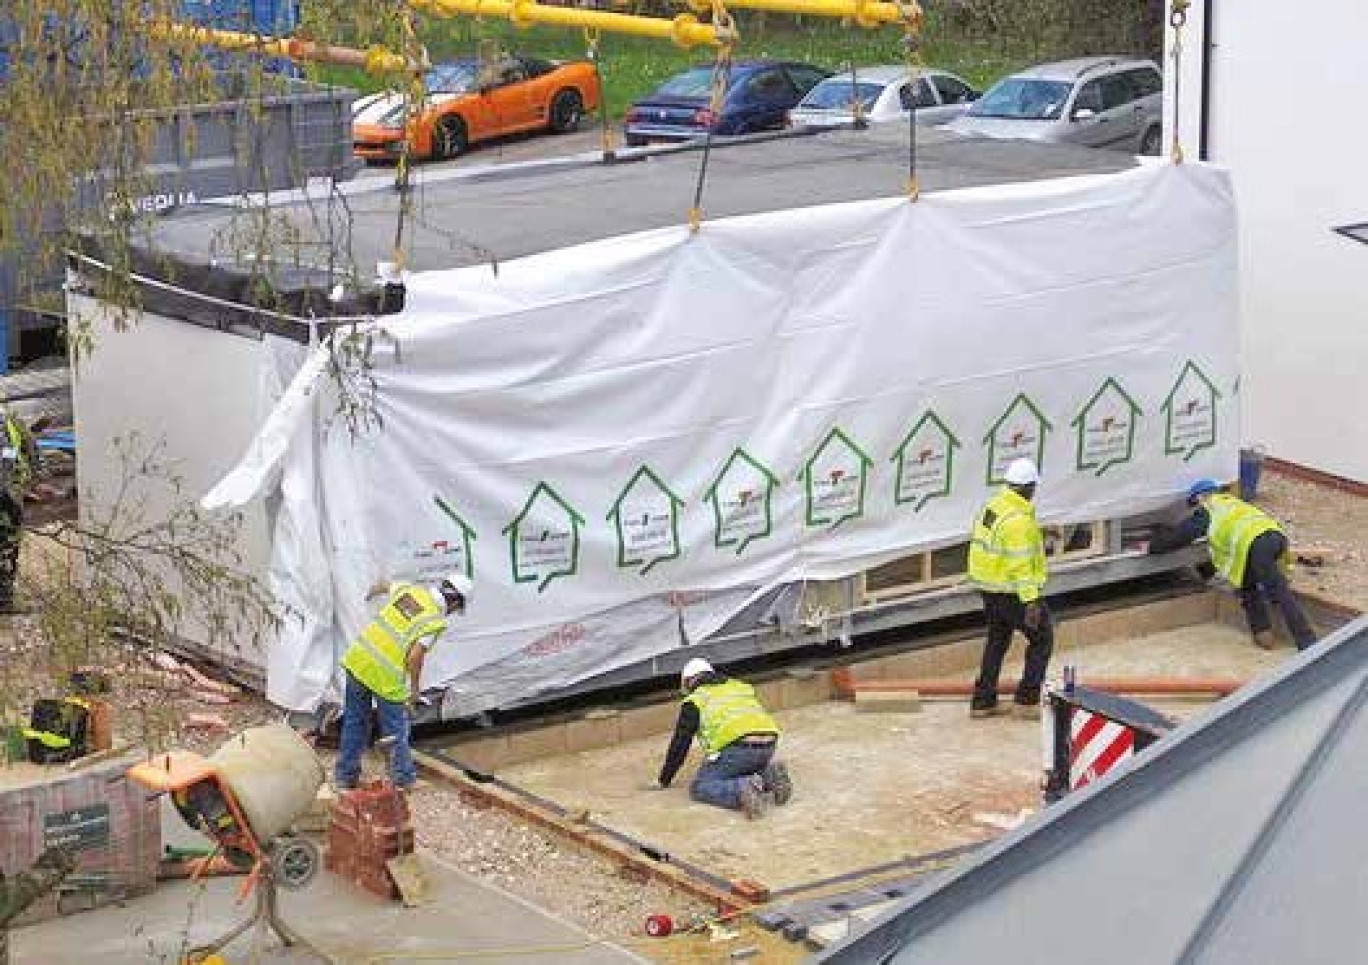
(1324, 519)
(871, 787)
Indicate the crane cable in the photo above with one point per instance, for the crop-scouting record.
(721, 79)
(592, 36)
(914, 19)
(1177, 20)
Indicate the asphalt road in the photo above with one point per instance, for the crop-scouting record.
(521, 147)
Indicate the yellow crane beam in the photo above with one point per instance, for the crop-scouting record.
(376, 60)
(684, 30)
(864, 13)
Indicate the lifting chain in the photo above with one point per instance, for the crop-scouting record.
(721, 79)
(1177, 20)
(592, 37)
(914, 20)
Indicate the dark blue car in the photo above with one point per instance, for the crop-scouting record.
(758, 99)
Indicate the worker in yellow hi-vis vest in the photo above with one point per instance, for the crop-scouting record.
(18, 464)
(739, 738)
(1249, 550)
(1007, 566)
(383, 669)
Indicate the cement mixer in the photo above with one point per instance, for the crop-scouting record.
(246, 796)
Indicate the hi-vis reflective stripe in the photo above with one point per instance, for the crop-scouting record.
(54, 741)
(1096, 745)
(382, 660)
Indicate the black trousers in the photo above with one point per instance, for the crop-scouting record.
(11, 529)
(1264, 577)
(1006, 614)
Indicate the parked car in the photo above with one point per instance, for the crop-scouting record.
(759, 97)
(884, 94)
(1113, 102)
(473, 100)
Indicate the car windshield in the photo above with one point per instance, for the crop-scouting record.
(450, 79)
(1023, 98)
(838, 94)
(692, 83)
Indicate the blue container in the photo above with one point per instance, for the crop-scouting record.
(1251, 465)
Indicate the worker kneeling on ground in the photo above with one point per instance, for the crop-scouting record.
(1007, 566)
(384, 667)
(739, 737)
(1249, 550)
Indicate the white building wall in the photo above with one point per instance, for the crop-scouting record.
(1288, 85)
(196, 391)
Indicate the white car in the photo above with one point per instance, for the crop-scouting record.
(883, 94)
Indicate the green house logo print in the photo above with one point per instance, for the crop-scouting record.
(834, 479)
(1106, 429)
(646, 518)
(925, 462)
(1190, 413)
(543, 539)
(449, 552)
(741, 498)
(1019, 433)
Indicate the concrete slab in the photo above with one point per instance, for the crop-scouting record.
(870, 788)
(343, 924)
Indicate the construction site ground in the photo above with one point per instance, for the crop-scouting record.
(870, 787)
(553, 873)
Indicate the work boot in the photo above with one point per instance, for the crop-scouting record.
(755, 800)
(992, 710)
(1265, 640)
(778, 782)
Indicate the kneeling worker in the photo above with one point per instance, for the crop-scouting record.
(739, 738)
(1249, 551)
(1007, 566)
(384, 666)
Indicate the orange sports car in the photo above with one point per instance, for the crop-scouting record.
(473, 100)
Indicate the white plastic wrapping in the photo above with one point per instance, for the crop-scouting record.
(606, 434)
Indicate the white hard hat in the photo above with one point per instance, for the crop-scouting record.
(696, 667)
(461, 583)
(1022, 472)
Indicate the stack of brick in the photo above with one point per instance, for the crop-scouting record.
(366, 828)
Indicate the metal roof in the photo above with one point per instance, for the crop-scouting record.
(1236, 839)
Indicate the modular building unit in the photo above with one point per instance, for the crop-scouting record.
(662, 445)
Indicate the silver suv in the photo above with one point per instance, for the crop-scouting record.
(1112, 102)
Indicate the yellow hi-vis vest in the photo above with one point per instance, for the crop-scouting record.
(727, 712)
(16, 440)
(1235, 524)
(377, 658)
(1006, 552)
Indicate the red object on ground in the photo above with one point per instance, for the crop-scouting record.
(659, 926)
(367, 827)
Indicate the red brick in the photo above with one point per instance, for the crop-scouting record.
(750, 890)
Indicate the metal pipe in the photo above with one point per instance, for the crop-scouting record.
(684, 30)
(377, 60)
(1159, 686)
(865, 13)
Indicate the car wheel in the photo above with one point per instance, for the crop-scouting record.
(567, 109)
(1151, 142)
(449, 139)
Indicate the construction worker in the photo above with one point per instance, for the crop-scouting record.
(384, 667)
(1249, 550)
(739, 738)
(18, 463)
(1007, 566)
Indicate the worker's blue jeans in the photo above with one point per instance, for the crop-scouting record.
(358, 702)
(719, 781)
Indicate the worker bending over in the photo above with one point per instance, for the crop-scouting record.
(384, 668)
(1249, 551)
(18, 465)
(1007, 566)
(739, 738)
